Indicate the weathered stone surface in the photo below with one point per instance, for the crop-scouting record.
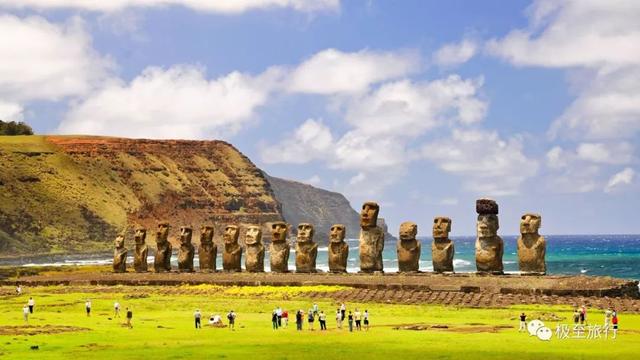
(232, 254)
(162, 260)
(532, 246)
(187, 250)
(306, 249)
(279, 249)
(371, 239)
(486, 206)
(141, 251)
(254, 258)
(408, 248)
(120, 255)
(442, 248)
(207, 251)
(338, 249)
(489, 246)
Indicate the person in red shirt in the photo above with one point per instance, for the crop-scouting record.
(614, 321)
(285, 317)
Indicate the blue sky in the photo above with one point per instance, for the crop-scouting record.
(423, 106)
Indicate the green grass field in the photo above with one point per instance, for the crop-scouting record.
(163, 328)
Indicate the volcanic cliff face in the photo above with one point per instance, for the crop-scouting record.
(74, 194)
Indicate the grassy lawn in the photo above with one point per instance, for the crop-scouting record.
(163, 328)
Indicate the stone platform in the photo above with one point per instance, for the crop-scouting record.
(550, 285)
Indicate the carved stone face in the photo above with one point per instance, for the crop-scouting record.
(530, 223)
(162, 233)
(185, 235)
(206, 234)
(337, 233)
(140, 236)
(488, 225)
(408, 230)
(119, 241)
(278, 231)
(441, 227)
(369, 215)
(305, 232)
(230, 235)
(253, 235)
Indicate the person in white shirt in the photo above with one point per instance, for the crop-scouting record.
(339, 319)
(116, 309)
(31, 304)
(357, 317)
(197, 316)
(279, 315)
(365, 317)
(18, 290)
(25, 313)
(87, 307)
(343, 310)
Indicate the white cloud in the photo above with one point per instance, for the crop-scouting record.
(43, 60)
(332, 71)
(314, 180)
(11, 111)
(213, 6)
(489, 164)
(178, 102)
(624, 177)
(455, 53)
(312, 140)
(616, 153)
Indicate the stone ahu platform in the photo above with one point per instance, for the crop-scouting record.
(549, 285)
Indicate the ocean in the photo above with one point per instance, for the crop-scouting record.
(608, 255)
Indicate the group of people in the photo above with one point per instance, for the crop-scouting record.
(357, 318)
(27, 309)
(215, 320)
(580, 318)
(279, 318)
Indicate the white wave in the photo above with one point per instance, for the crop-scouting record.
(460, 262)
(508, 262)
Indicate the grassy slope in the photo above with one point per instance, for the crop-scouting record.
(254, 337)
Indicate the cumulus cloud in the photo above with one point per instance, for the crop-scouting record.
(178, 102)
(11, 111)
(213, 6)
(624, 177)
(455, 53)
(312, 140)
(616, 153)
(333, 72)
(47, 61)
(489, 164)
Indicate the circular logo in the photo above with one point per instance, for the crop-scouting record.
(533, 326)
(544, 333)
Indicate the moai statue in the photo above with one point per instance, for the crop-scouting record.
(279, 248)
(531, 245)
(338, 249)
(371, 239)
(140, 251)
(162, 261)
(489, 246)
(306, 249)
(442, 249)
(186, 251)
(207, 250)
(120, 255)
(232, 254)
(254, 258)
(408, 248)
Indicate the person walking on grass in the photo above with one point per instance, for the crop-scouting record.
(285, 318)
(523, 323)
(25, 313)
(350, 319)
(339, 318)
(358, 318)
(365, 318)
(576, 317)
(343, 311)
(18, 290)
(116, 309)
(310, 319)
(31, 304)
(274, 320)
(315, 309)
(614, 322)
(607, 317)
(198, 318)
(583, 315)
(87, 307)
(279, 315)
(299, 317)
(231, 316)
(322, 318)
(129, 318)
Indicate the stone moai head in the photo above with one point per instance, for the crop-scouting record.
(408, 231)
(206, 234)
(530, 223)
(163, 233)
(369, 215)
(140, 236)
(185, 235)
(279, 231)
(337, 233)
(231, 234)
(441, 227)
(305, 233)
(488, 224)
(253, 235)
(119, 241)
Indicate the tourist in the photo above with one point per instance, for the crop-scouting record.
(365, 317)
(129, 317)
(25, 313)
(285, 318)
(274, 320)
(299, 315)
(614, 321)
(607, 317)
(279, 315)
(350, 318)
(87, 307)
(18, 289)
(31, 304)
(231, 316)
(322, 318)
(116, 309)
(576, 316)
(358, 318)
(198, 316)
(310, 318)
(583, 315)
(339, 317)
(343, 311)
(523, 322)
(315, 309)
